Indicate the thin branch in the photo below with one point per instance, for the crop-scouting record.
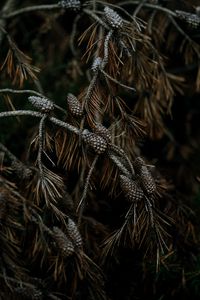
(106, 42)
(116, 81)
(20, 113)
(148, 5)
(21, 92)
(19, 282)
(138, 8)
(150, 23)
(96, 18)
(94, 5)
(7, 90)
(2, 30)
(150, 210)
(183, 33)
(41, 143)
(73, 34)
(119, 164)
(80, 205)
(65, 125)
(90, 88)
(39, 115)
(121, 152)
(8, 6)
(9, 154)
(31, 9)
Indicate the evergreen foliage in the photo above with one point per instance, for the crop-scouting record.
(99, 150)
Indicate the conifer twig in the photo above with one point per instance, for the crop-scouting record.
(7, 90)
(80, 205)
(31, 9)
(41, 143)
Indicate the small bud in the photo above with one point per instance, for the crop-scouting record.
(43, 104)
(96, 64)
(64, 244)
(74, 105)
(112, 18)
(70, 4)
(74, 233)
(131, 188)
(192, 20)
(98, 143)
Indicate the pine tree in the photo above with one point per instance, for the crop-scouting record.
(99, 151)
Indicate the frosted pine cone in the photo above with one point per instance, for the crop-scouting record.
(96, 64)
(192, 20)
(70, 4)
(103, 132)
(64, 244)
(112, 18)
(98, 143)
(74, 105)
(131, 188)
(43, 104)
(74, 233)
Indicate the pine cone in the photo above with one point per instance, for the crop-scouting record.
(147, 180)
(112, 18)
(70, 4)
(131, 188)
(103, 132)
(138, 164)
(98, 143)
(74, 105)
(74, 233)
(43, 104)
(192, 20)
(65, 245)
